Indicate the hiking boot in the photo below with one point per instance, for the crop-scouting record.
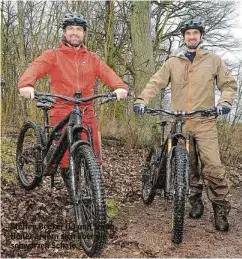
(197, 209)
(220, 216)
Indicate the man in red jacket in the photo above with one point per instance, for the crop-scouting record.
(72, 68)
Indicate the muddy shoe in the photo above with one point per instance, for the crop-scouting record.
(220, 217)
(197, 209)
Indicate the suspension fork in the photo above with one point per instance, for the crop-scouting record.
(187, 178)
(73, 145)
(185, 141)
(168, 167)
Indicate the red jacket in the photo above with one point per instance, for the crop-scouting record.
(70, 70)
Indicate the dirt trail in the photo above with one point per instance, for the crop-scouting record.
(147, 232)
(139, 230)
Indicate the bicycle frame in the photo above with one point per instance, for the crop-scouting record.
(74, 127)
(66, 135)
(167, 146)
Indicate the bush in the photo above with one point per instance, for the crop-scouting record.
(230, 143)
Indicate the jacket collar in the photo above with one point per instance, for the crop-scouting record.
(71, 49)
(180, 53)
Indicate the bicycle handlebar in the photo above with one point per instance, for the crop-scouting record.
(48, 97)
(205, 112)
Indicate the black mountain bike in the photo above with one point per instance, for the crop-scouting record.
(39, 152)
(167, 166)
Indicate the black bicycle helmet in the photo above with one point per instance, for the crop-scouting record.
(195, 23)
(74, 19)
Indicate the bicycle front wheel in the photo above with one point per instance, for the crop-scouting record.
(29, 155)
(90, 206)
(179, 172)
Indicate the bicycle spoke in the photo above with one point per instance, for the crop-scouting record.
(88, 211)
(28, 159)
(85, 196)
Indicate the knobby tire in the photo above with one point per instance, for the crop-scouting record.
(150, 172)
(29, 155)
(179, 173)
(91, 204)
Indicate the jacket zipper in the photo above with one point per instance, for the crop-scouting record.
(77, 70)
(186, 72)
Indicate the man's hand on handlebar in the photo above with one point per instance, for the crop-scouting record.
(27, 92)
(121, 93)
(139, 108)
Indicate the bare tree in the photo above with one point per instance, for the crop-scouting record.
(169, 15)
(143, 59)
(114, 33)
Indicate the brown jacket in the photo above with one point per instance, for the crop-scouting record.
(192, 84)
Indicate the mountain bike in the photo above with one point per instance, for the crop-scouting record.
(39, 152)
(167, 166)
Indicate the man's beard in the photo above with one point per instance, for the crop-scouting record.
(74, 44)
(192, 46)
(80, 43)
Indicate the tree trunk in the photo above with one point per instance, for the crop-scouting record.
(143, 60)
(108, 53)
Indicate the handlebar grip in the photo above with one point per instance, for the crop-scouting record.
(50, 99)
(43, 97)
(149, 110)
(41, 94)
(112, 97)
(37, 93)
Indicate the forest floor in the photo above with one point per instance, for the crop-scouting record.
(138, 230)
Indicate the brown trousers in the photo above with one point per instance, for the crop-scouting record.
(204, 131)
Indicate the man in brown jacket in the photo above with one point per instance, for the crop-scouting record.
(193, 73)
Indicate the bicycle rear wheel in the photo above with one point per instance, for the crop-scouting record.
(90, 209)
(149, 176)
(179, 172)
(29, 155)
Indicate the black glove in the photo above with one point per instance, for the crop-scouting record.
(223, 108)
(139, 108)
